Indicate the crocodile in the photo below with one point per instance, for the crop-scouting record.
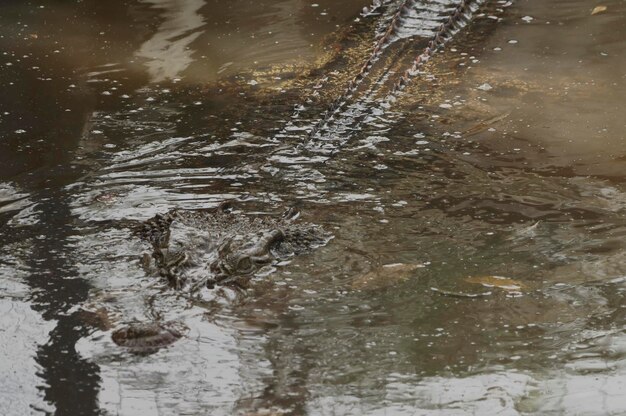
(195, 251)
(198, 250)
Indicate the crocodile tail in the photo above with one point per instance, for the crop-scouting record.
(332, 119)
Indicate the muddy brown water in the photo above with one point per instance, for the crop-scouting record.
(478, 264)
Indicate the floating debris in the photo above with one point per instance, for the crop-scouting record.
(460, 294)
(107, 198)
(598, 10)
(484, 125)
(527, 232)
(498, 282)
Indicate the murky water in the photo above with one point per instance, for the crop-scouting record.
(477, 205)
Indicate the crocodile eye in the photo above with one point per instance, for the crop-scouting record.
(244, 264)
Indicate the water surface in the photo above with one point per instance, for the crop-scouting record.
(494, 182)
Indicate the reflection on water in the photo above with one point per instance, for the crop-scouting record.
(478, 261)
(24, 327)
(168, 51)
(201, 40)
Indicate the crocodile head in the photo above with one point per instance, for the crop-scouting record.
(220, 247)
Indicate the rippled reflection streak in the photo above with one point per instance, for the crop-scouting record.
(168, 51)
